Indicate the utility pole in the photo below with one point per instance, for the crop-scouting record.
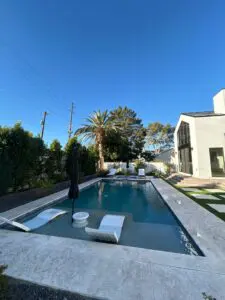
(43, 124)
(71, 121)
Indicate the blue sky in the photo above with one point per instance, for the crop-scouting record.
(159, 58)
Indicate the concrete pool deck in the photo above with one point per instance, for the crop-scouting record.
(119, 272)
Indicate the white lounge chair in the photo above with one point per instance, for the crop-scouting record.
(112, 172)
(41, 219)
(109, 230)
(141, 172)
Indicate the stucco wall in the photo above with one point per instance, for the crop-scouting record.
(205, 132)
(191, 122)
(166, 156)
(209, 134)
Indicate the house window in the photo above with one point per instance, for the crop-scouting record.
(184, 148)
(184, 134)
(217, 162)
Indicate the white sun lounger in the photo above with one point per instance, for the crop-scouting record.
(141, 172)
(41, 219)
(109, 230)
(112, 172)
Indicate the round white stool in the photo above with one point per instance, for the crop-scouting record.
(80, 219)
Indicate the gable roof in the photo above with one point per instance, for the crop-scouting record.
(202, 114)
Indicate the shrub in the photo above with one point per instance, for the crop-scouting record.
(116, 166)
(121, 172)
(102, 173)
(25, 161)
(20, 156)
(152, 173)
(139, 164)
(53, 163)
(169, 168)
(44, 183)
(3, 283)
(147, 155)
(127, 172)
(207, 297)
(87, 158)
(88, 161)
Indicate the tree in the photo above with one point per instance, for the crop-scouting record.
(97, 126)
(160, 136)
(6, 166)
(20, 157)
(87, 158)
(128, 141)
(147, 155)
(88, 161)
(54, 161)
(68, 153)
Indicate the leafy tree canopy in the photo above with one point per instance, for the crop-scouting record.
(128, 141)
(160, 136)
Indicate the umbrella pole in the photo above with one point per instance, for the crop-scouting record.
(74, 187)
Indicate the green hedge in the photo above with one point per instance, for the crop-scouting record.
(87, 158)
(26, 162)
(20, 157)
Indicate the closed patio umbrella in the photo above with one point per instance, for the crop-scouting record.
(74, 176)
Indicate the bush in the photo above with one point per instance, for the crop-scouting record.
(147, 155)
(127, 172)
(116, 166)
(87, 158)
(3, 283)
(121, 172)
(207, 297)
(169, 168)
(20, 156)
(152, 173)
(25, 161)
(53, 163)
(139, 164)
(102, 173)
(5, 172)
(43, 183)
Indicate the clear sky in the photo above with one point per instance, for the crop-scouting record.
(159, 58)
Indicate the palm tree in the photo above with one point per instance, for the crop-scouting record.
(97, 126)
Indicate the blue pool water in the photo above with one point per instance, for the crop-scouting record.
(149, 223)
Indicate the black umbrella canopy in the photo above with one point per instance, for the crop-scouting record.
(74, 174)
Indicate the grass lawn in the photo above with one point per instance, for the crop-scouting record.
(204, 202)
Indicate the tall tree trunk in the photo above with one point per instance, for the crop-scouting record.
(101, 156)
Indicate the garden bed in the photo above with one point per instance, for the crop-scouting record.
(13, 200)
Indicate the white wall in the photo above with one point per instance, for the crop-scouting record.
(205, 132)
(166, 156)
(219, 102)
(191, 122)
(210, 133)
(150, 166)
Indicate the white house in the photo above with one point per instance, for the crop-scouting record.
(200, 141)
(166, 156)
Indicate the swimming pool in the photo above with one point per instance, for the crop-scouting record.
(149, 222)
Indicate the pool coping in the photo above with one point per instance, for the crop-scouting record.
(25, 254)
(207, 230)
(23, 210)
